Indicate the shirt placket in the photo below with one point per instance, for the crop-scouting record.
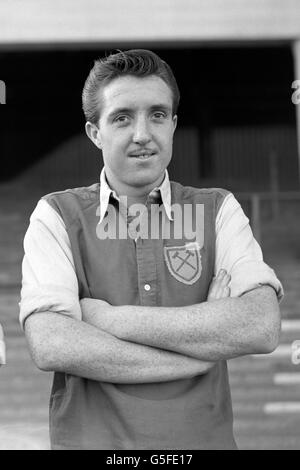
(146, 269)
(146, 262)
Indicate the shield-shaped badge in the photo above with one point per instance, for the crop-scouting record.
(184, 262)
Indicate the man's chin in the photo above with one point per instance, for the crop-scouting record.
(146, 179)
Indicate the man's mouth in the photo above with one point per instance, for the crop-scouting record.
(142, 155)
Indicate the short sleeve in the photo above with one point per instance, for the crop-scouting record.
(49, 281)
(238, 252)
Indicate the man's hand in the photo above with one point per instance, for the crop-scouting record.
(218, 288)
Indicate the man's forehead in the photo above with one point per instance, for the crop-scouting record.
(129, 91)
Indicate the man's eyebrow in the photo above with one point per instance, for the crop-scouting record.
(116, 111)
(126, 110)
(161, 107)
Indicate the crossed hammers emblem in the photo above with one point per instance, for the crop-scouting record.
(183, 260)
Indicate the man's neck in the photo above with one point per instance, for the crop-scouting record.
(135, 195)
(136, 199)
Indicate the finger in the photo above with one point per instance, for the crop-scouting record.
(222, 279)
(216, 293)
(218, 276)
(222, 293)
(212, 292)
(221, 274)
(226, 292)
(215, 283)
(225, 280)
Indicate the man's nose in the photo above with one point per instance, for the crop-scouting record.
(142, 134)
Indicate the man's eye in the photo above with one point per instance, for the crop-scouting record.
(121, 119)
(159, 115)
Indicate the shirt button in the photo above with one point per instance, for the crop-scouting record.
(147, 287)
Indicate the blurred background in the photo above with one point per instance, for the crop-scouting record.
(235, 62)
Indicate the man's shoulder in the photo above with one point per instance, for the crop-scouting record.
(71, 202)
(193, 192)
(84, 193)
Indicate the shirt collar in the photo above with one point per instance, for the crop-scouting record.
(106, 192)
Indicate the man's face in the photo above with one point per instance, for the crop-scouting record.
(135, 133)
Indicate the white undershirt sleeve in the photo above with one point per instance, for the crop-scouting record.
(49, 281)
(238, 252)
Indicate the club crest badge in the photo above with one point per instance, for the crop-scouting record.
(184, 262)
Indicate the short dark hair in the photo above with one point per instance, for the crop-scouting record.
(136, 62)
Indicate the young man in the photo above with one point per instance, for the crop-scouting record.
(138, 327)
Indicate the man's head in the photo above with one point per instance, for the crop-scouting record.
(137, 63)
(130, 101)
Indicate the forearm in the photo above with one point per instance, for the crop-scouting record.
(210, 331)
(58, 343)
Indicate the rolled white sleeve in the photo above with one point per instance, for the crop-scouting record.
(49, 282)
(238, 252)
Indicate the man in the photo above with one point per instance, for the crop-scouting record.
(2, 347)
(138, 328)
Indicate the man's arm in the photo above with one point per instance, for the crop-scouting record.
(247, 323)
(209, 331)
(60, 343)
(51, 313)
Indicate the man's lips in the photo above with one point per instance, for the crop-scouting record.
(142, 154)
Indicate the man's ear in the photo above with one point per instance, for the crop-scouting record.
(175, 120)
(92, 132)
